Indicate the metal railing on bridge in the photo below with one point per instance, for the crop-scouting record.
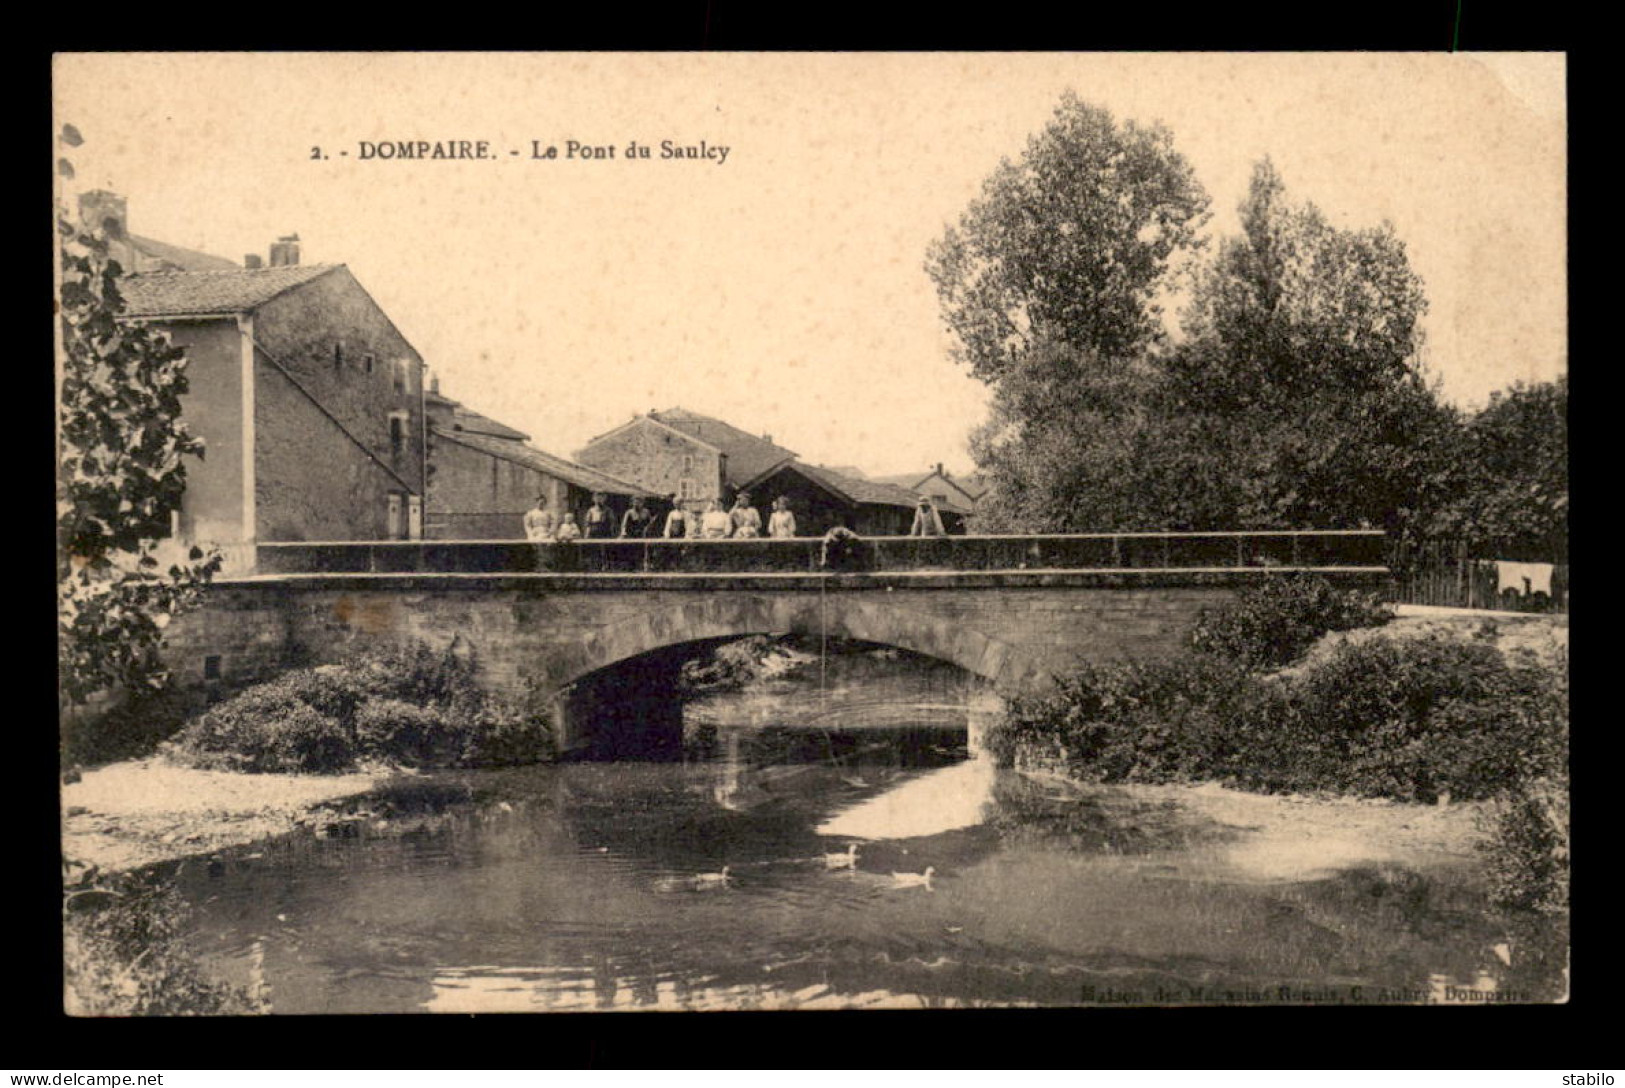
(1334, 549)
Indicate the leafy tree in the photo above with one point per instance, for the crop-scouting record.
(120, 474)
(1304, 339)
(1295, 398)
(1510, 494)
(1295, 306)
(1077, 443)
(1070, 245)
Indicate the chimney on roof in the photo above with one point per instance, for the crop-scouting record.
(285, 250)
(253, 260)
(939, 470)
(767, 438)
(434, 384)
(102, 210)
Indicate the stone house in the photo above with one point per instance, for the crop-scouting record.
(680, 453)
(308, 398)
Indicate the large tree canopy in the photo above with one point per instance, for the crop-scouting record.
(1295, 399)
(1295, 306)
(1069, 245)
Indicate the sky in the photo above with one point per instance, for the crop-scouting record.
(783, 288)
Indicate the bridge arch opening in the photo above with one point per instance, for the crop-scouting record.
(802, 698)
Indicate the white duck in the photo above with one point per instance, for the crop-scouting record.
(914, 880)
(697, 882)
(707, 881)
(848, 860)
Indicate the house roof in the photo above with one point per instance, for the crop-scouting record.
(186, 260)
(227, 291)
(856, 491)
(749, 456)
(588, 479)
(915, 483)
(469, 421)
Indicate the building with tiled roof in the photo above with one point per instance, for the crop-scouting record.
(214, 292)
(942, 486)
(748, 455)
(683, 454)
(822, 498)
(484, 475)
(308, 398)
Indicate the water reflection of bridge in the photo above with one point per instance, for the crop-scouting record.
(554, 618)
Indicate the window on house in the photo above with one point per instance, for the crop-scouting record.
(338, 357)
(403, 380)
(366, 363)
(685, 488)
(211, 667)
(397, 433)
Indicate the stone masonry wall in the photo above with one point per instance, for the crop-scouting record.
(520, 631)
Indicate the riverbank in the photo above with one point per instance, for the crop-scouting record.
(1544, 636)
(127, 815)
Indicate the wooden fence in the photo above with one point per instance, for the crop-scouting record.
(1445, 575)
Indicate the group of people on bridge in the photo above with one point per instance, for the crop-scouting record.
(742, 522)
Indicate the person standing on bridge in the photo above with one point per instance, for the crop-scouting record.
(638, 521)
(540, 523)
(781, 524)
(714, 523)
(744, 520)
(678, 522)
(927, 522)
(600, 520)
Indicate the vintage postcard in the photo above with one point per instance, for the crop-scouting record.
(596, 532)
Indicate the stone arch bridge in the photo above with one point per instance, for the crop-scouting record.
(1015, 611)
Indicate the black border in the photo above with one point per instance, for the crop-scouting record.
(1540, 1036)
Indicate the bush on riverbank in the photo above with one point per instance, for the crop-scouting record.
(1407, 719)
(1275, 624)
(403, 705)
(123, 953)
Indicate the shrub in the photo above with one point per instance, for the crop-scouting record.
(503, 735)
(1275, 624)
(1412, 719)
(1527, 849)
(418, 736)
(729, 666)
(414, 673)
(407, 705)
(266, 729)
(1408, 719)
(1159, 721)
(123, 954)
(128, 730)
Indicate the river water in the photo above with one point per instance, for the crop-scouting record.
(729, 880)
